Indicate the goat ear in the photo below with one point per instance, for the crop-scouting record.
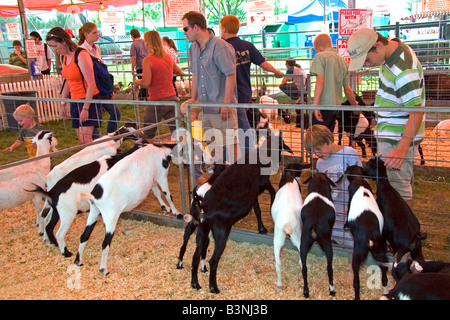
(415, 267)
(340, 180)
(331, 182)
(386, 264)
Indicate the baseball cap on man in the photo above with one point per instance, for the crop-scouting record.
(359, 43)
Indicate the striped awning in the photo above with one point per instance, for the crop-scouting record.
(425, 15)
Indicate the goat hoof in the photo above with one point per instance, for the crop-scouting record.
(204, 269)
(279, 288)
(262, 231)
(196, 286)
(179, 216)
(77, 260)
(180, 265)
(214, 290)
(67, 253)
(104, 271)
(332, 293)
(306, 295)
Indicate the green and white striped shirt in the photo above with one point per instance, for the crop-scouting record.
(401, 84)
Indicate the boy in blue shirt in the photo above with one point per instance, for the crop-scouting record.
(333, 159)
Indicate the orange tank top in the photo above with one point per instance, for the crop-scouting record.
(72, 74)
(162, 75)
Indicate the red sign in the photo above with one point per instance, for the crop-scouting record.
(341, 45)
(351, 20)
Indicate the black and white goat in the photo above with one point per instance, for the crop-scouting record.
(401, 227)
(64, 197)
(366, 222)
(15, 181)
(123, 188)
(286, 213)
(423, 286)
(318, 216)
(82, 157)
(357, 125)
(407, 265)
(223, 205)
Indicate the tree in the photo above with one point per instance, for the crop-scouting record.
(217, 9)
(152, 12)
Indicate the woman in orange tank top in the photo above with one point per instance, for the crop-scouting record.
(157, 75)
(84, 116)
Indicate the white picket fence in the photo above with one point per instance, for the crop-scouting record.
(48, 86)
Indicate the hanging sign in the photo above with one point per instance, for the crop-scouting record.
(30, 45)
(435, 5)
(341, 45)
(113, 23)
(174, 10)
(260, 12)
(351, 20)
(13, 31)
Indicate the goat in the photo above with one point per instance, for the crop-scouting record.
(442, 128)
(64, 197)
(198, 193)
(286, 213)
(401, 227)
(273, 112)
(423, 286)
(365, 222)
(318, 216)
(223, 205)
(123, 188)
(82, 157)
(14, 181)
(416, 266)
(357, 125)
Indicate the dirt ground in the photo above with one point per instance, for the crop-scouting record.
(142, 264)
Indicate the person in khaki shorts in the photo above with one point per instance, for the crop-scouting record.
(399, 133)
(213, 65)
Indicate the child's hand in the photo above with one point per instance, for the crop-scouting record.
(183, 105)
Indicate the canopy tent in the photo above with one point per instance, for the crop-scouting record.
(314, 11)
(9, 8)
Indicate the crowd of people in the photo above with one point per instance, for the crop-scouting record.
(220, 68)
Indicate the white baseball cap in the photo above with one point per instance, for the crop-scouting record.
(359, 43)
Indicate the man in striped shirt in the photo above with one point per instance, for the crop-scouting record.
(401, 84)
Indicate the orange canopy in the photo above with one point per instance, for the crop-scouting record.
(67, 6)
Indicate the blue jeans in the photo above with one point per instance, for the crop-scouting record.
(115, 114)
(249, 142)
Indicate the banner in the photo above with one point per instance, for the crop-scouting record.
(174, 10)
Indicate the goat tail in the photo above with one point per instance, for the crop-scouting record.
(85, 196)
(287, 228)
(44, 193)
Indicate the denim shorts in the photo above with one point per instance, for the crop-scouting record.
(95, 114)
